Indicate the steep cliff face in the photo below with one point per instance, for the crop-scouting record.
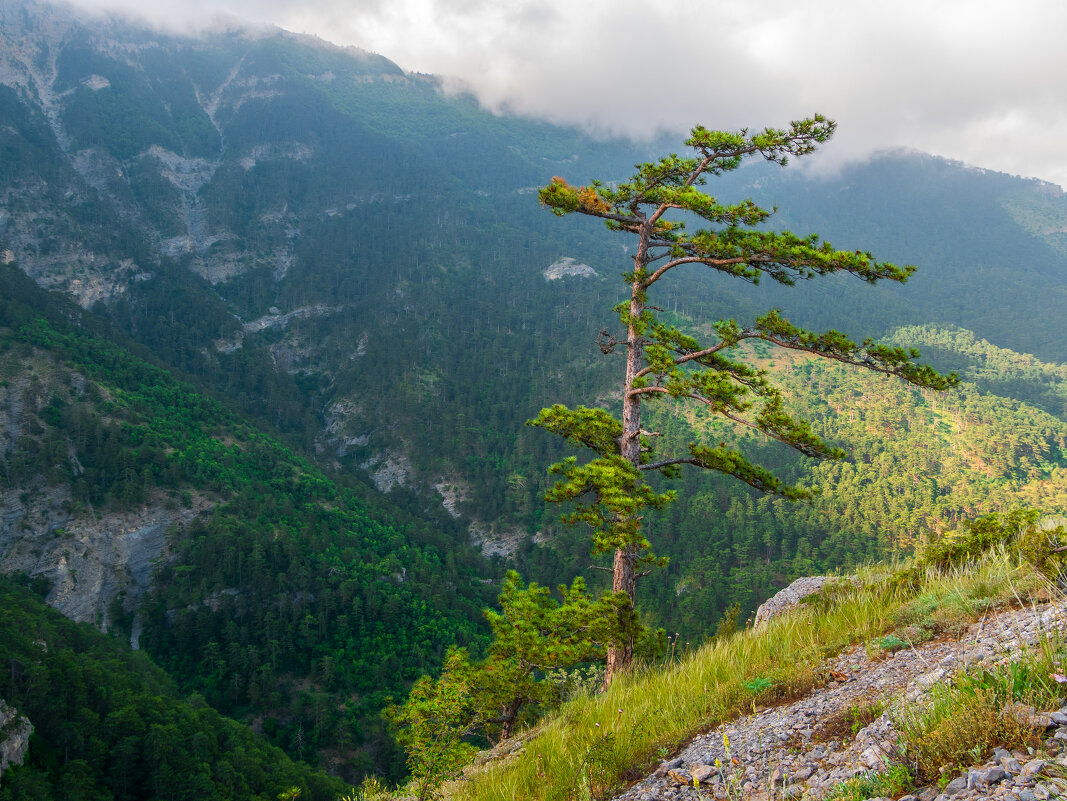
(15, 731)
(89, 560)
(52, 183)
(90, 557)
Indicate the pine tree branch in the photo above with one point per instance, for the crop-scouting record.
(666, 463)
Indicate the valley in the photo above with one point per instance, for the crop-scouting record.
(273, 317)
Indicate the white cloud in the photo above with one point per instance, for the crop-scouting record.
(974, 80)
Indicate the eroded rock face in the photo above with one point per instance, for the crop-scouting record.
(568, 266)
(390, 469)
(89, 560)
(15, 731)
(89, 557)
(789, 597)
(496, 540)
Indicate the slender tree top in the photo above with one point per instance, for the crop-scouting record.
(730, 244)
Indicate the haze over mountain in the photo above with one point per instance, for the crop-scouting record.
(306, 302)
(978, 84)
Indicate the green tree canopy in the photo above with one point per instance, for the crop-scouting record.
(534, 634)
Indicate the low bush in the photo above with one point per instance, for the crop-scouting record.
(979, 711)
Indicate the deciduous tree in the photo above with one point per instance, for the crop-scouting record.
(610, 492)
(432, 724)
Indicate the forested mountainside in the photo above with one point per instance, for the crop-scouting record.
(306, 302)
(347, 252)
(110, 724)
(918, 463)
(151, 510)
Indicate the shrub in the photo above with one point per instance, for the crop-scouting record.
(973, 538)
(863, 714)
(957, 728)
(1041, 541)
(432, 723)
(891, 643)
(1044, 545)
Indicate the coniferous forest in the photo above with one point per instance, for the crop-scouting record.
(273, 318)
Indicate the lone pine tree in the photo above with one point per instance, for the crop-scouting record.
(610, 492)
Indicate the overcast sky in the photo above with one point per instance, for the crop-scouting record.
(982, 82)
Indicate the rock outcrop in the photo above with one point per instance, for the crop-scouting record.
(88, 560)
(789, 598)
(15, 731)
(567, 266)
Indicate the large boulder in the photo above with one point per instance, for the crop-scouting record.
(790, 597)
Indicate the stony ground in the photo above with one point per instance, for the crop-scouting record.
(803, 749)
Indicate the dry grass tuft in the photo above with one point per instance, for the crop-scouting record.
(959, 729)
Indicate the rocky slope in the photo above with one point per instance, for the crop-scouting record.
(90, 558)
(95, 98)
(90, 561)
(805, 748)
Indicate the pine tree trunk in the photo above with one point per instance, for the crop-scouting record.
(624, 579)
(507, 721)
(624, 572)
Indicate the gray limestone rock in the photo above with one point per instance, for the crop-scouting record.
(957, 785)
(679, 777)
(702, 773)
(789, 598)
(15, 731)
(1032, 769)
(991, 775)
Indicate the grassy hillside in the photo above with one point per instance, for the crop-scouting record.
(596, 745)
